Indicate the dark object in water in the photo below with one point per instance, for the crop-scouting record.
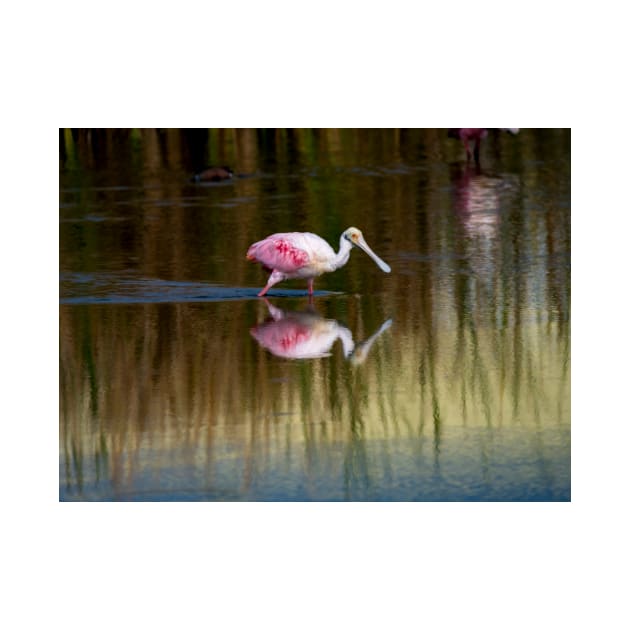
(213, 174)
(474, 134)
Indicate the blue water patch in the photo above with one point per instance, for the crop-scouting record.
(471, 464)
(84, 288)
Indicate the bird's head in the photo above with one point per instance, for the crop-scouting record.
(355, 237)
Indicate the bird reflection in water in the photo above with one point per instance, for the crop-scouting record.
(479, 198)
(308, 335)
(477, 202)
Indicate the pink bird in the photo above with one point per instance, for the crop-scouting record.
(305, 255)
(466, 135)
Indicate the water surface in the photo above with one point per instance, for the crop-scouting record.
(446, 380)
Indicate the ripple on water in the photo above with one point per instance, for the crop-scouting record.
(83, 288)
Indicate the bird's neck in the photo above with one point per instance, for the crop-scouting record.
(342, 255)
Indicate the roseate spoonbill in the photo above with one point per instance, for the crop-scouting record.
(466, 135)
(213, 174)
(306, 255)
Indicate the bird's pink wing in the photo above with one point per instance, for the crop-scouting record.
(278, 252)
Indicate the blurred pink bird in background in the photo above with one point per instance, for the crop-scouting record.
(305, 255)
(468, 135)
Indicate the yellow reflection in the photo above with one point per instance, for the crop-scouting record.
(148, 389)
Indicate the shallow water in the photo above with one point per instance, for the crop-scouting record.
(446, 380)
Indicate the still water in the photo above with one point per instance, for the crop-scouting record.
(446, 380)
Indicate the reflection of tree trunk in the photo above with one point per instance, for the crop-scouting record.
(246, 150)
(429, 348)
(152, 159)
(518, 288)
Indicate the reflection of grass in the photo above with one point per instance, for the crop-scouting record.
(159, 390)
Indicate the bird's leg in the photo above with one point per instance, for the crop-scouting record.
(276, 313)
(310, 286)
(477, 145)
(468, 155)
(274, 278)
